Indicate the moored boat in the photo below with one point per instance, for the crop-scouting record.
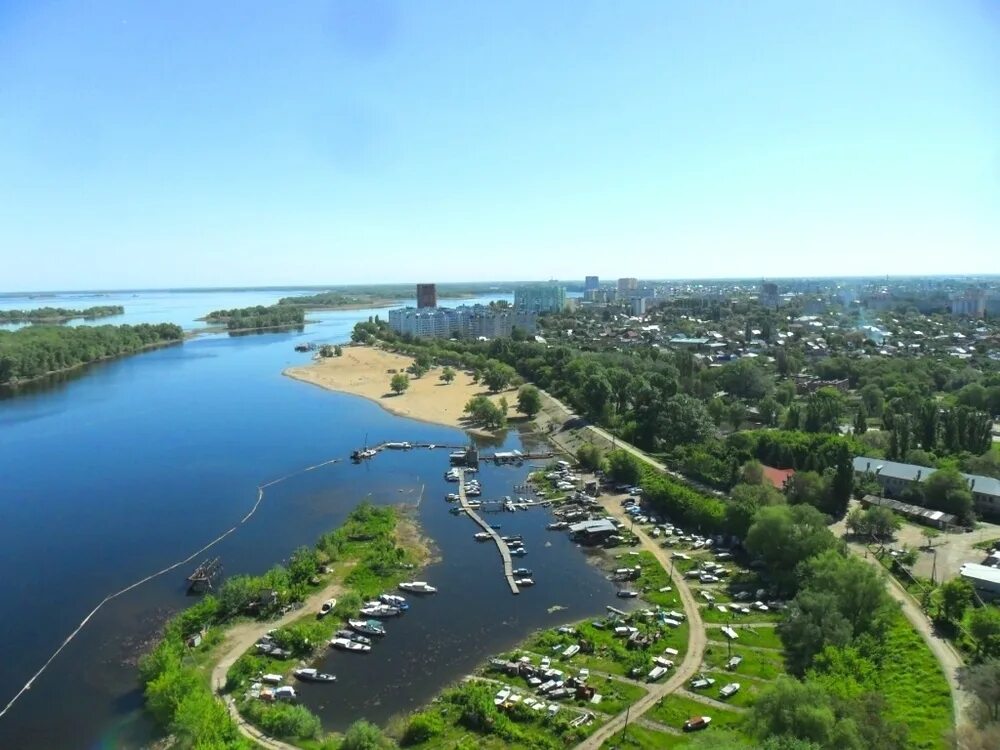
(525, 572)
(367, 627)
(346, 644)
(378, 609)
(394, 600)
(308, 674)
(352, 636)
(522, 582)
(418, 587)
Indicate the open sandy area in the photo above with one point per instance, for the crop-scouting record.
(366, 371)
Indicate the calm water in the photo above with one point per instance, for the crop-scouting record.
(113, 473)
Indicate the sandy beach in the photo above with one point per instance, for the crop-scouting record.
(366, 371)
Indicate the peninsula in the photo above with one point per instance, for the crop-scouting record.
(366, 371)
(58, 314)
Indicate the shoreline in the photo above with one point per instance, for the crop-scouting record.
(13, 385)
(365, 371)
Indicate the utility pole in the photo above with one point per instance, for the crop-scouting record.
(625, 728)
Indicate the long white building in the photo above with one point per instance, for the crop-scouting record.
(465, 321)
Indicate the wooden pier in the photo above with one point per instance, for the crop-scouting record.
(508, 566)
(204, 575)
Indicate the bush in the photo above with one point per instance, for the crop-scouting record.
(422, 727)
(590, 457)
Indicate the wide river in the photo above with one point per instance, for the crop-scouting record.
(125, 467)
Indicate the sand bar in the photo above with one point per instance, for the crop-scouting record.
(366, 371)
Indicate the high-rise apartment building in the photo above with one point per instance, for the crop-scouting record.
(539, 299)
(591, 283)
(427, 295)
(626, 285)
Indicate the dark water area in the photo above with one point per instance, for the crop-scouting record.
(114, 472)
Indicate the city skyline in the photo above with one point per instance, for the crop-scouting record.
(144, 149)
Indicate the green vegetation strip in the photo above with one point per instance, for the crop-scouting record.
(362, 553)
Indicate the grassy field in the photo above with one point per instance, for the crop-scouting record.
(637, 737)
(674, 710)
(915, 688)
(758, 637)
(763, 665)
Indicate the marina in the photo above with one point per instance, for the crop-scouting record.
(505, 554)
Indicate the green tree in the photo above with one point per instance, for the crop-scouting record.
(338, 351)
(745, 500)
(497, 376)
(326, 350)
(984, 626)
(861, 421)
(795, 709)
(752, 472)
(529, 401)
(486, 413)
(857, 522)
(624, 467)
(956, 596)
(590, 457)
(881, 523)
(807, 487)
(685, 420)
(983, 681)
(811, 624)
(422, 726)
(769, 410)
(399, 383)
(946, 490)
(783, 536)
(447, 375)
(873, 400)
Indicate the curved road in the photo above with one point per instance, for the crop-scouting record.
(695, 648)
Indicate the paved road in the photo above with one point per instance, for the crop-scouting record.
(695, 649)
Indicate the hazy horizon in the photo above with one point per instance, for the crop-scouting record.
(198, 146)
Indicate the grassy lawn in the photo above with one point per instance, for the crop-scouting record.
(642, 738)
(915, 688)
(674, 710)
(763, 665)
(610, 654)
(763, 637)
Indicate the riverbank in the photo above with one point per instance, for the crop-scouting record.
(365, 371)
(212, 645)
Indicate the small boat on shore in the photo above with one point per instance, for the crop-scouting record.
(327, 607)
(627, 594)
(367, 627)
(346, 644)
(308, 674)
(417, 587)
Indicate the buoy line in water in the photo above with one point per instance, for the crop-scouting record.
(157, 574)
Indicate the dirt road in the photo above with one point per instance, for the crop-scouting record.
(243, 636)
(696, 638)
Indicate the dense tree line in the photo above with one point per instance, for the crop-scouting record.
(58, 314)
(37, 350)
(258, 317)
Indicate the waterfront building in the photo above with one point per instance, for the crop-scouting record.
(540, 299)
(591, 283)
(427, 295)
(464, 321)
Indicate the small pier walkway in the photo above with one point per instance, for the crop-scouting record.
(508, 567)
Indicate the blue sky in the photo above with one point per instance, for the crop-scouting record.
(224, 143)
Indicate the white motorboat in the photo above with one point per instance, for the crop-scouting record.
(378, 609)
(522, 582)
(327, 607)
(417, 587)
(394, 600)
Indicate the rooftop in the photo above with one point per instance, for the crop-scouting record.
(978, 572)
